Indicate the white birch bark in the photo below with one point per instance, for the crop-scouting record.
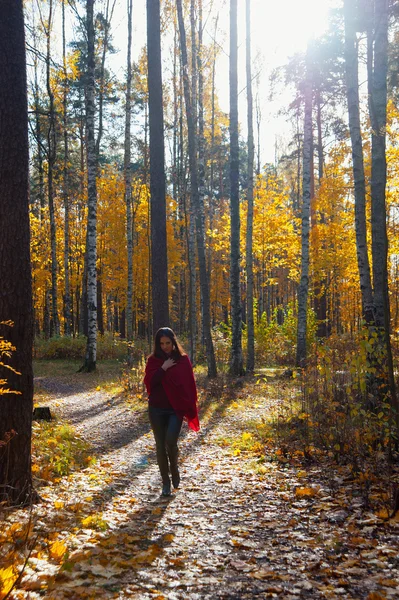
(250, 203)
(67, 292)
(51, 156)
(128, 179)
(303, 288)
(91, 239)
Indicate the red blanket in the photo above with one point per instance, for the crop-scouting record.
(179, 385)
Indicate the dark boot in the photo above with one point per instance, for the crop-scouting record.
(166, 489)
(175, 477)
(174, 469)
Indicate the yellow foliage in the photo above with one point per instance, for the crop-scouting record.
(8, 577)
(306, 492)
(57, 551)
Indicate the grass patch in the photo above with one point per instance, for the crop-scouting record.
(108, 375)
(57, 451)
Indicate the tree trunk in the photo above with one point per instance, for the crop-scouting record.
(38, 130)
(15, 274)
(192, 150)
(159, 259)
(320, 285)
(306, 195)
(352, 94)
(67, 293)
(201, 146)
(107, 26)
(236, 364)
(91, 238)
(250, 204)
(52, 153)
(378, 118)
(128, 179)
(212, 149)
(258, 124)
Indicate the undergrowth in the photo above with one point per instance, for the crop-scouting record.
(109, 346)
(320, 418)
(57, 451)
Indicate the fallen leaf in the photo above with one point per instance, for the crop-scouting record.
(57, 551)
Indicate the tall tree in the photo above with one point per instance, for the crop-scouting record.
(378, 72)
(159, 259)
(51, 161)
(15, 274)
(250, 202)
(306, 196)
(352, 95)
(128, 178)
(195, 199)
(66, 190)
(91, 238)
(236, 364)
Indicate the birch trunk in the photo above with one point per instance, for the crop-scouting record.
(212, 149)
(201, 143)
(320, 286)
(107, 26)
(128, 179)
(250, 203)
(159, 259)
(301, 352)
(91, 238)
(352, 95)
(51, 155)
(38, 127)
(236, 364)
(200, 234)
(67, 292)
(15, 273)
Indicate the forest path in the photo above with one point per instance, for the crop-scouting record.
(235, 529)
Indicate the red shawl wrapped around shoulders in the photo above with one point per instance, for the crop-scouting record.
(179, 385)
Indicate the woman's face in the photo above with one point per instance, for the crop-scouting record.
(166, 344)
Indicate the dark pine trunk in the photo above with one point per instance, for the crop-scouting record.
(15, 273)
(159, 259)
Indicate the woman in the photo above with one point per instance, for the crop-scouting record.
(170, 383)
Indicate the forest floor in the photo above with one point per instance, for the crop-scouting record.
(248, 521)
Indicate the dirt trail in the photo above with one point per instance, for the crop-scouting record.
(227, 533)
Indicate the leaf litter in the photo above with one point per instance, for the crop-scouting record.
(240, 525)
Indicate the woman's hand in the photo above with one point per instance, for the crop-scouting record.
(168, 364)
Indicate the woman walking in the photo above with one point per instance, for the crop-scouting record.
(170, 384)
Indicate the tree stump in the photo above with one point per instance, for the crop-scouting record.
(42, 413)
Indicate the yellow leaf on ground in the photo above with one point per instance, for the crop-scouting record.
(265, 574)
(305, 492)
(7, 578)
(382, 513)
(57, 550)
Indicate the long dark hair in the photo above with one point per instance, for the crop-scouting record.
(177, 351)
